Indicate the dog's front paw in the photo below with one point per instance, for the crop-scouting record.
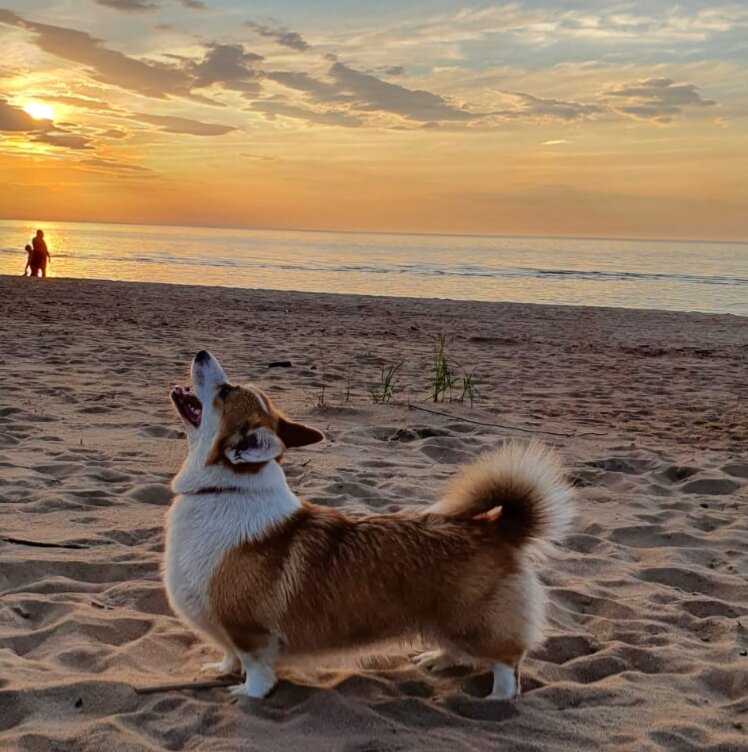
(258, 690)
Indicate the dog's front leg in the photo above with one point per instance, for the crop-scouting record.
(259, 670)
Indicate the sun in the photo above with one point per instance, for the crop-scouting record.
(39, 111)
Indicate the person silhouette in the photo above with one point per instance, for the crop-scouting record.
(41, 256)
(29, 259)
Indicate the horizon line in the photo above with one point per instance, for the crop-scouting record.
(408, 233)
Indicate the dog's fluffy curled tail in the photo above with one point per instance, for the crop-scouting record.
(519, 488)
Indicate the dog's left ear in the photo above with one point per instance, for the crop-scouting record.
(297, 434)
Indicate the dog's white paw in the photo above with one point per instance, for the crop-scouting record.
(505, 683)
(258, 690)
(435, 660)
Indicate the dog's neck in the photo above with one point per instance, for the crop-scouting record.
(244, 507)
(250, 505)
(197, 479)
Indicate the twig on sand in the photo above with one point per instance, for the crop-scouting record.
(500, 425)
(42, 544)
(210, 684)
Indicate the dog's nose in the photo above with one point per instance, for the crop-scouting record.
(202, 356)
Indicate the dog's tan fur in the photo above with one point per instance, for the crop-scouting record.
(326, 581)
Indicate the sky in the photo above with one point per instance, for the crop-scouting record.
(545, 117)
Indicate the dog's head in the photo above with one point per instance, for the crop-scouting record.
(232, 426)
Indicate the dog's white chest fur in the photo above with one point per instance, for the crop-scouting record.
(199, 533)
(202, 529)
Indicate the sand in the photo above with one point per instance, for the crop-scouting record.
(648, 597)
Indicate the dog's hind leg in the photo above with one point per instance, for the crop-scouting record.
(505, 656)
(506, 684)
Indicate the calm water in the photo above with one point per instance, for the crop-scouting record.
(671, 275)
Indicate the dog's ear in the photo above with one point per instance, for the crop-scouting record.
(259, 445)
(297, 434)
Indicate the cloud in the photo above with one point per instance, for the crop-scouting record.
(362, 93)
(115, 133)
(229, 65)
(170, 124)
(318, 91)
(351, 97)
(273, 109)
(110, 164)
(64, 140)
(129, 6)
(658, 99)
(14, 119)
(83, 103)
(529, 107)
(556, 142)
(146, 6)
(259, 157)
(370, 93)
(281, 35)
(108, 66)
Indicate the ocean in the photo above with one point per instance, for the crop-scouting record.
(671, 275)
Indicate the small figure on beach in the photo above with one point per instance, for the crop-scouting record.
(40, 256)
(29, 257)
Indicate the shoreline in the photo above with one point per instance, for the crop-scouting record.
(373, 297)
(647, 596)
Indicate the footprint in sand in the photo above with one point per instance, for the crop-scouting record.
(690, 581)
(736, 470)
(704, 609)
(95, 409)
(622, 465)
(151, 493)
(581, 603)
(652, 536)
(159, 432)
(405, 435)
(59, 469)
(711, 486)
(559, 649)
(443, 450)
(677, 473)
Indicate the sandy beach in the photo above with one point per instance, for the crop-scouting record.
(648, 639)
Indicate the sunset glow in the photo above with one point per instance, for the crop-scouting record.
(39, 111)
(508, 118)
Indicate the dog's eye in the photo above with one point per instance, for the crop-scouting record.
(223, 392)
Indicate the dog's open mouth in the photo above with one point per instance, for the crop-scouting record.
(188, 404)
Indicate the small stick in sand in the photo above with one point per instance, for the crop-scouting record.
(210, 684)
(41, 544)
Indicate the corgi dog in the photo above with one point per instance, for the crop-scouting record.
(266, 576)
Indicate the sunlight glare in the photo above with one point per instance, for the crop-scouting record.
(39, 111)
